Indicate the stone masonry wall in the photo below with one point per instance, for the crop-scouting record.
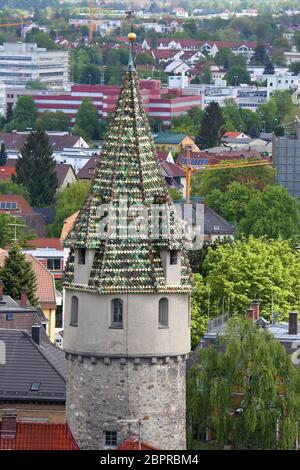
(114, 394)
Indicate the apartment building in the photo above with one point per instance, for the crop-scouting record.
(21, 63)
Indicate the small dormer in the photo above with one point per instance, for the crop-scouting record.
(171, 261)
(82, 265)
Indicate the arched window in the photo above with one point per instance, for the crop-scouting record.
(117, 313)
(163, 312)
(74, 311)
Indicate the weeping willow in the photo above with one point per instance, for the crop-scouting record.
(244, 392)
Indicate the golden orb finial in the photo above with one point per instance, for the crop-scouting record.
(131, 37)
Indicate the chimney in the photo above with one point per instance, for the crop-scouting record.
(8, 424)
(255, 307)
(1, 290)
(250, 314)
(24, 298)
(36, 333)
(293, 323)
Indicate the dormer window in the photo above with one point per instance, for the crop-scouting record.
(81, 256)
(173, 257)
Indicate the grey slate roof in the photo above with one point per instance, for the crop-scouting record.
(28, 363)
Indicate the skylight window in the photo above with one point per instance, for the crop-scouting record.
(35, 386)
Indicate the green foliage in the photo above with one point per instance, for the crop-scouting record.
(9, 187)
(204, 77)
(226, 59)
(68, 201)
(53, 121)
(175, 194)
(35, 169)
(269, 69)
(199, 309)
(297, 40)
(277, 109)
(36, 85)
(188, 123)
(245, 389)
(87, 125)
(294, 67)
(41, 38)
(237, 75)
(18, 273)
(257, 176)
(212, 127)
(272, 212)
(24, 115)
(143, 59)
(254, 268)
(3, 155)
(232, 203)
(260, 56)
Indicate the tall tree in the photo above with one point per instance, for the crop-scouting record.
(269, 69)
(237, 75)
(35, 169)
(18, 273)
(57, 121)
(87, 122)
(3, 155)
(244, 391)
(212, 127)
(24, 115)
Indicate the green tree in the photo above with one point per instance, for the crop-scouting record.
(24, 115)
(212, 127)
(260, 56)
(35, 169)
(269, 69)
(232, 203)
(3, 155)
(18, 273)
(245, 390)
(53, 121)
(294, 67)
(68, 201)
(237, 75)
(8, 187)
(297, 40)
(206, 181)
(87, 120)
(254, 268)
(272, 212)
(199, 309)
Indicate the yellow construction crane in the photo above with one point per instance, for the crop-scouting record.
(189, 169)
(91, 23)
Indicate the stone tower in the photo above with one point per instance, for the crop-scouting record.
(126, 300)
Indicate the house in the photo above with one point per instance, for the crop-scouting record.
(235, 138)
(34, 436)
(19, 315)
(174, 142)
(32, 376)
(216, 227)
(174, 175)
(177, 67)
(65, 175)
(58, 140)
(45, 293)
(87, 171)
(51, 258)
(17, 206)
(287, 333)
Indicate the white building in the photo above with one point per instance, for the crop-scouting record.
(22, 62)
(282, 82)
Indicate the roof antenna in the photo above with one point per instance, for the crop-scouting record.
(131, 38)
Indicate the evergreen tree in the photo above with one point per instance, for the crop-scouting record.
(3, 155)
(18, 273)
(24, 115)
(269, 69)
(212, 127)
(35, 169)
(244, 391)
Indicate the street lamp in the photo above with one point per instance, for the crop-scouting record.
(264, 126)
(90, 79)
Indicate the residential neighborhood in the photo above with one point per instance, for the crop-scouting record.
(149, 228)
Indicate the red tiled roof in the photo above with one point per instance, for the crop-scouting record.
(6, 172)
(37, 436)
(68, 225)
(132, 443)
(45, 283)
(24, 207)
(86, 171)
(232, 134)
(163, 54)
(45, 243)
(172, 170)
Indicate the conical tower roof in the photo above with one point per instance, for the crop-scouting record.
(128, 174)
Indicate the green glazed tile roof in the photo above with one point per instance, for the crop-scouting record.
(127, 171)
(169, 138)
